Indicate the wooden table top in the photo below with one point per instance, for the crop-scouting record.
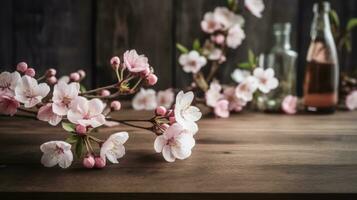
(248, 152)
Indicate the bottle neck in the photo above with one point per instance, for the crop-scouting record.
(321, 25)
(282, 40)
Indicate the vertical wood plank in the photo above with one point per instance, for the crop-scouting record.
(50, 33)
(6, 45)
(135, 24)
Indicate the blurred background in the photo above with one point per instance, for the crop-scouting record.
(74, 34)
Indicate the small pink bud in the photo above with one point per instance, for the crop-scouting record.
(21, 67)
(52, 80)
(30, 72)
(81, 73)
(99, 162)
(219, 39)
(51, 72)
(115, 62)
(151, 79)
(115, 105)
(104, 93)
(81, 130)
(75, 76)
(161, 111)
(88, 161)
(172, 120)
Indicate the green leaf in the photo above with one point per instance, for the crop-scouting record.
(348, 44)
(334, 18)
(251, 57)
(352, 23)
(82, 88)
(245, 65)
(73, 139)
(181, 48)
(68, 127)
(196, 45)
(79, 147)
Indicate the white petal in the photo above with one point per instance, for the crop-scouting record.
(95, 106)
(43, 89)
(159, 143)
(192, 113)
(59, 109)
(49, 160)
(258, 72)
(181, 153)
(66, 159)
(168, 156)
(119, 138)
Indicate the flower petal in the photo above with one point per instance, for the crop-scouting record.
(168, 156)
(159, 143)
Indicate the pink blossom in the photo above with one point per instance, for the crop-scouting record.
(86, 112)
(56, 152)
(227, 18)
(246, 89)
(113, 147)
(29, 92)
(46, 114)
(115, 105)
(235, 104)
(8, 104)
(151, 79)
(135, 63)
(88, 161)
(351, 100)
(213, 94)
(104, 93)
(209, 23)
(30, 72)
(266, 79)
(22, 67)
(81, 130)
(192, 62)
(99, 162)
(239, 75)
(235, 37)
(63, 95)
(289, 104)
(145, 99)
(221, 108)
(165, 98)
(175, 142)
(8, 82)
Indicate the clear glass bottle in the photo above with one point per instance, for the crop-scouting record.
(282, 59)
(322, 70)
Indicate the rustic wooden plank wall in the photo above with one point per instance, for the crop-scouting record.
(72, 34)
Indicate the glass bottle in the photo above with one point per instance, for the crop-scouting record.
(321, 74)
(282, 59)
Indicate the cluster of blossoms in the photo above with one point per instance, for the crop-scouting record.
(149, 99)
(82, 111)
(224, 27)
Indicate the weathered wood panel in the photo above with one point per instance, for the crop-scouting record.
(246, 153)
(135, 24)
(6, 47)
(50, 33)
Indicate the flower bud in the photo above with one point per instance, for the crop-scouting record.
(115, 105)
(52, 80)
(75, 76)
(81, 130)
(161, 111)
(81, 73)
(219, 39)
(222, 59)
(51, 72)
(30, 72)
(21, 67)
(172, 120)
(115, 62)
(170, 113)
(146, 72)
(99, 162)
(104, 93)
(88, 161)
(151, 79)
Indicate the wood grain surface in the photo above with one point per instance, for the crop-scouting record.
(246, 153)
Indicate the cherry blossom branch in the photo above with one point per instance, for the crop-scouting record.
(100, 89)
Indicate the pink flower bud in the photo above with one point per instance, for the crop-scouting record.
(99, 162)
(104, 93)
(115, 62)
(115, 105)
(88, 161)
(81, 130)
(161, 111)
(81, 73)
(172, 120)
(30, 72)
(52, 80)
(219, 39)
(21, 67)
(51, 72)
(75, 76)
(146, 72)
(151, 79)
